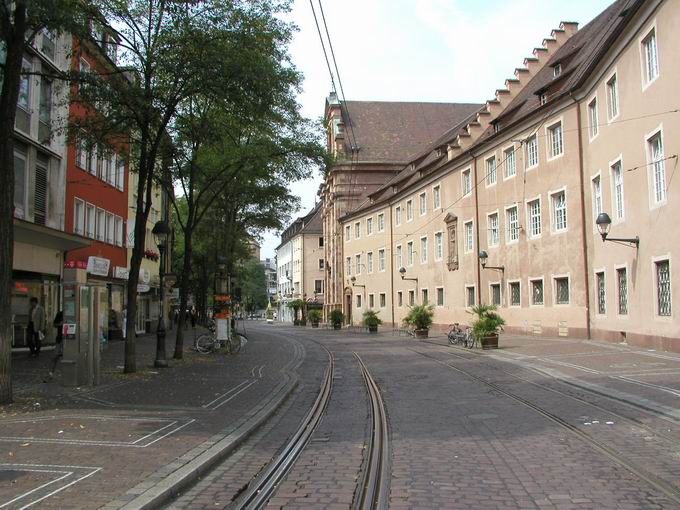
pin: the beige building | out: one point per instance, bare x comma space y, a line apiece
589, 124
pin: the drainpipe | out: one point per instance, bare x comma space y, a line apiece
584, 245
391, 263
479, 271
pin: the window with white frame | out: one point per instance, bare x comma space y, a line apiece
90, 212
398, 256
348, 233
559, 211
439, 246
663, 287
381, 259
369, 261
409, 210
593, 117
423, 203
467, 182
617, 184
411, 297
440, 296
543, 98
409, 253
613, 97
381, 222
424, 296
318, 286
658, 169
470, 295
358, 300
601, 289
423, 250
348, 263
101, 225
493, 235
436, 197
597, 195
557, 70
369, 226
512, 224
495, 291
651, 56
555, 140
622, 290
536, 287
397, 215
110, 229
322, 264
534, 207
515, 294
357, 230
24, 100
400, 299
371, 301
491, 171
383, 300
118, 231
357, 264
79, 217
562, 290
469, 237
510, 162
532, 151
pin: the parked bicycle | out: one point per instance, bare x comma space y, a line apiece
461, 336
208, 342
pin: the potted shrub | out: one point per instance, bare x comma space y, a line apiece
336, 317
487, 326
297, 304
314, 317
372, 321
420, 317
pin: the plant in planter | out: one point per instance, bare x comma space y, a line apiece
487, 326
336, 317
314, 316
297, 304
372, 321
420, 317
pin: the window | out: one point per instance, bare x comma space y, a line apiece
597, 195
470, 295
469, 239
110, 233
495, 294
20, 176
357, 261
398, 257
491, 171
357, 230
369, 261
424, 295
559, 211
119, 231
617, 183
348, 263
24, 101
381, 222
423, 203
562, 291
322, 264
358, 300
613, 97
651, 56
371, 301
409, 253
622, 290
663, 287
411, 297
658, 168
423, 250
601, 293
383, 300
535, 218
79, 217
515, 294
440, 296
321, 242
532, 151
438, 246
400, 298
436, 197
45, 111
492, 233
318, 286
536, 292
467, 182
369, 226
120, 173
557, 70
555, 140
48, 45
512, 224
409, 210
543, 98
381, 260
90, 221
397, 215
347, 233
92, 160
510, 162
594, 119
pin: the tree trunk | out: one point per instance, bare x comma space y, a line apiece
184, 288
9, 95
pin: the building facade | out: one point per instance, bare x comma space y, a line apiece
502, 210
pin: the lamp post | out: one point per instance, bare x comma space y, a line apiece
604, 222
160, 232
483, 257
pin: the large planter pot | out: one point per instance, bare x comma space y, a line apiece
489, 342
296, 322
421, 333
372, 329
337, 326
315, 324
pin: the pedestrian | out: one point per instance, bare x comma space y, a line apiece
36, 327
193, 318
58, 324
124, 322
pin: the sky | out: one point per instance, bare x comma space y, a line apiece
418, 50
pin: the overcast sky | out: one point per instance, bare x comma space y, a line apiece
419, 50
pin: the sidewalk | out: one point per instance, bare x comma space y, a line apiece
104, 446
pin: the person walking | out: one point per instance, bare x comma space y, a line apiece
58, 324
36, 327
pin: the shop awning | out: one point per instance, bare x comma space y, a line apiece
46, 237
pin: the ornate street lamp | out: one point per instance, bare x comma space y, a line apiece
160, 232
604, 222
353, 280
402, 272
483, 257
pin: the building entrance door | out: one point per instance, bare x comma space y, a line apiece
348, 307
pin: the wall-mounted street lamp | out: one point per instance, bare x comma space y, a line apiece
483, 257
160, 232
402, 273
353, 280
604, 222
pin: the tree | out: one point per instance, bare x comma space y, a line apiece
253, 282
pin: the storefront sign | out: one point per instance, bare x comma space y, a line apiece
173, 294
222, 298
143, 287
122, 273
75, 264
144, 275
98, 266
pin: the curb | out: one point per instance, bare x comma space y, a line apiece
189, 468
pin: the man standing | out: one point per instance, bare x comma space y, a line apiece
36, 327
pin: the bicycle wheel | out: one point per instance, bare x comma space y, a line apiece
452, 338
205, 344
469, 340
234, 345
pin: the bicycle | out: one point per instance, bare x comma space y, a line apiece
208, 343
461, 336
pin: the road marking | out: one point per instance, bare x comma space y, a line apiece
207, 406
648, 385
